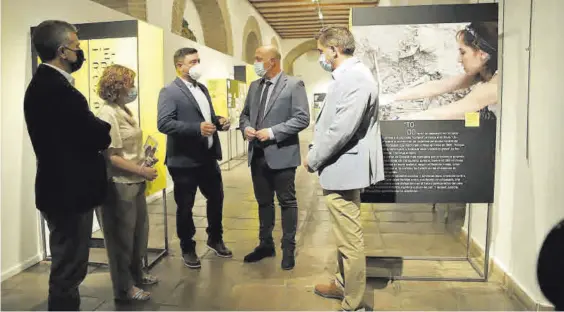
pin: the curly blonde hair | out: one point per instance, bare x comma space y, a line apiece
114, 79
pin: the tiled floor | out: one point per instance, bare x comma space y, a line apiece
390, 230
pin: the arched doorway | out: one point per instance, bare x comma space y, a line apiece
251, 45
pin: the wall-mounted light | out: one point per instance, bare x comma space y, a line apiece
320, 15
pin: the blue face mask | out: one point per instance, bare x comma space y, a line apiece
259, 69
323, 62
131, 95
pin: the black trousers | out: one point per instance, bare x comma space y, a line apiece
207, 177
69, 241
266, 183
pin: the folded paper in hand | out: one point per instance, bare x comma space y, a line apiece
150, 151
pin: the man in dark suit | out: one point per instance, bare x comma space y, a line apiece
68, 141
276, 110
187, 117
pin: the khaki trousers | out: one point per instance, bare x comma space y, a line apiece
125, 226
344, 207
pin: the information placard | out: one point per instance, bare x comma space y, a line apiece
436, 161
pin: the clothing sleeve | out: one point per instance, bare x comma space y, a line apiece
87, 131
300, 115
167, 121
350, 110
110, 117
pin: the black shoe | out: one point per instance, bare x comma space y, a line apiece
191, 260
288, 259
260, 253
220, 249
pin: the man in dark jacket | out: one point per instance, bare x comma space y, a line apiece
187, 117
68, 141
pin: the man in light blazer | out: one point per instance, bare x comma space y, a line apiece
347, 153
276, 110
187, 117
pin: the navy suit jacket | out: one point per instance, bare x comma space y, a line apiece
179, 117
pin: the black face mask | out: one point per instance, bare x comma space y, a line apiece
79, 59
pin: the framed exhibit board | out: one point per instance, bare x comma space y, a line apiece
435, 149
218, 94
228, 98
124, 43
438, 147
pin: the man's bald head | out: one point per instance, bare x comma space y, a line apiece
270, 56
271, 52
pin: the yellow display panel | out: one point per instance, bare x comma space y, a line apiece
218, 94
105, 52
151, 75
251, 75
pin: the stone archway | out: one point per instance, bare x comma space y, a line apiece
216, 22
297, 52
252, 39
250, 47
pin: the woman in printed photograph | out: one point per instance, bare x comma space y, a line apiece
478, 54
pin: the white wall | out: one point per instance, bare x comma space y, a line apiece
159, 13
240, 11
20, 232
529, 197
316, 80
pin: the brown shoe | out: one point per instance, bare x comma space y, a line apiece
330, 291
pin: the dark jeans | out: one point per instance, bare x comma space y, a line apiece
186, 182
266, 182
69, 241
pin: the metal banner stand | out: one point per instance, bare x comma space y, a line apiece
99, 242
234, 158
483, 274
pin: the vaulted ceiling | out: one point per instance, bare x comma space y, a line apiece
297, 19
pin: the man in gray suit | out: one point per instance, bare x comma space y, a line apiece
276, 110
347, 153
187, 117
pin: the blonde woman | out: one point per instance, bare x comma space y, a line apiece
124, 214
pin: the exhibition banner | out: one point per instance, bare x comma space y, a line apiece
437, 70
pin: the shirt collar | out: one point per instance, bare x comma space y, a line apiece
274, 79
67, 76
348, 63
188, 83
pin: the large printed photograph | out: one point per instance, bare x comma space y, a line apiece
433, 71
437, 70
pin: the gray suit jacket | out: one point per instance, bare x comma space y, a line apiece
179, 117
347, 146
287, 113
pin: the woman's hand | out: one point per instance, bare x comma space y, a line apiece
148, 173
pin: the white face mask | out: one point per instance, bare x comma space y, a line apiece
195, 72
259, 69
